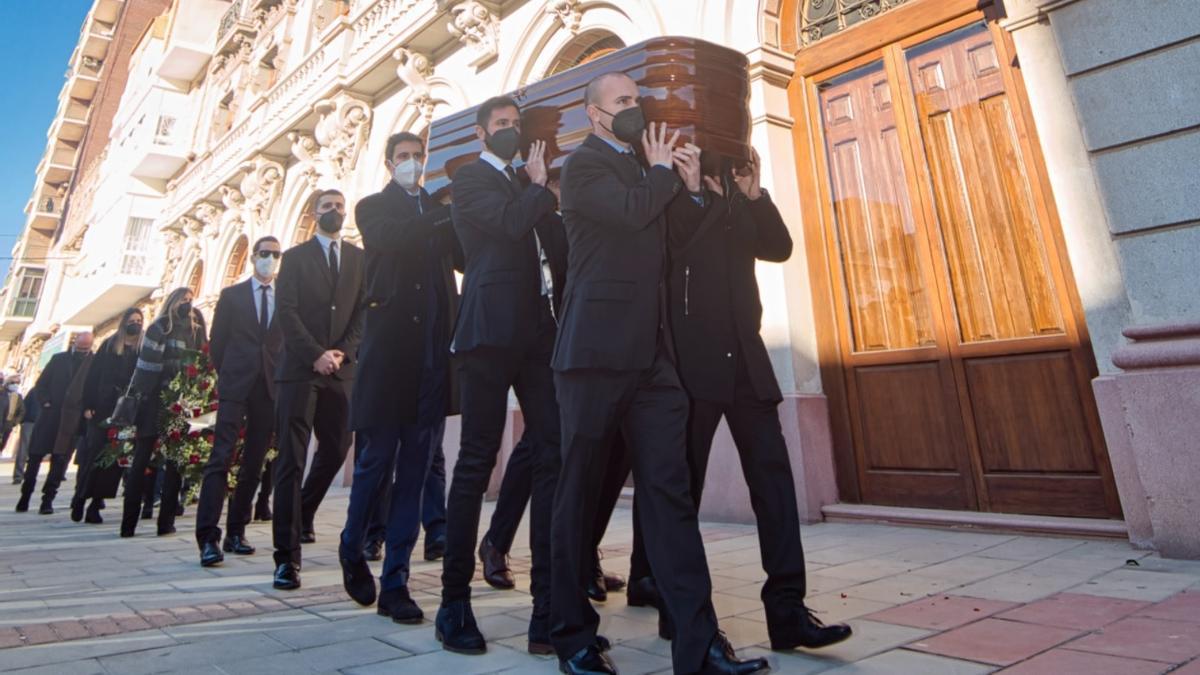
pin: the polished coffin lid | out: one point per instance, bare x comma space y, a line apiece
698, 87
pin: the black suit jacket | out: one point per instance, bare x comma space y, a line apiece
495, 221
715, 308
398, 243
314, 315
615, 223
240, 351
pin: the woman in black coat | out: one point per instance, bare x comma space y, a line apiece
178, 328
112, 368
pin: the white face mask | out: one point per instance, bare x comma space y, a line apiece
13, 388
407, 173
266, 267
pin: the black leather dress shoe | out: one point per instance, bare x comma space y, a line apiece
602, 643
358, 581
23, 504
77, 510
613, 582
596, 590
588, 661
166, 531
47, 509
539, 635
720, 660
495, 567
373, 551
147, 513
456, 629
802, 629
210, 555
436, 549
666, 627
93, 515
237, 544
308, 537
643, 593
398, 605
287, 577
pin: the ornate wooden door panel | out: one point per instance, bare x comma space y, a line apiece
908, 449
965, 377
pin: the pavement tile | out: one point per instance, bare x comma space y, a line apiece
899, 588
941, 612
1074, 610
995, 641
1069, 662
1167, 641
867, 570
870, 638
81, 667
1192, 668
70, 630
230, 649
839, 606
1136, 584
498, 659
1030, 548
1182, 607
36, 634
905, 661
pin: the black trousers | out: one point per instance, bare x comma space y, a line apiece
485, 376
136, 485
257, 413
85, 459
650, 409
54, 478
515, 489
319, 406
264, 485
101, 481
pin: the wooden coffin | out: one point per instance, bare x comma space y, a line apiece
698, 87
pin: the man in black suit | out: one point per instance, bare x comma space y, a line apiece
614, 374
715, 318
510, 231
244, 347
60, 397
318, 298
402, 396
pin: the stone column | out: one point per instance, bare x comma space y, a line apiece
1151, 416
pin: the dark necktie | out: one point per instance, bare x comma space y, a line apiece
333, 260
632, 159
512, 178
264, 320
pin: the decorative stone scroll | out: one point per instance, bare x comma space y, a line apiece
568, 13
478, 28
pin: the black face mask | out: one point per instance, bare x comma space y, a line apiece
184, 309
504, 143
628, 124
330, 221
133, 328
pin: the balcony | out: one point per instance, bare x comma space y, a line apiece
20, 301
114, 274
83, 78
44, 213
58, 165
97, 36
159, 147
108, 10
71, 121
189, 45
235, 22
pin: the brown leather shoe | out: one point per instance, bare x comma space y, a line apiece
495, 567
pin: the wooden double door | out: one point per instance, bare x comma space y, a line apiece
963, 364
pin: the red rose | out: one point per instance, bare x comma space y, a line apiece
192, 371
196, 412
123, 461
193, 434
204, 385
176, 408
212, 406
194, 459
112, 433
175, 435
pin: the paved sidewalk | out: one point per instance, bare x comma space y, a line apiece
75, 598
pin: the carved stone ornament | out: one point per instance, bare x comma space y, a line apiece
477, 27
341, 132
414, 70
209, 217
568, 12
261, 186
174, 242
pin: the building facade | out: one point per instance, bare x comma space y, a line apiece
972, 186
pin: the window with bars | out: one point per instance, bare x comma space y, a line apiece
821, 18
135, 259
29, 292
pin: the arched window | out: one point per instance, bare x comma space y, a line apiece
587, 47
822, 18
196, 277
237, 261
308, 224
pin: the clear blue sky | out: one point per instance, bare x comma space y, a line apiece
33, 58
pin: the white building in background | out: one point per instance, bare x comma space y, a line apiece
948, 332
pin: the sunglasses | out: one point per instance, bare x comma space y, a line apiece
269, 254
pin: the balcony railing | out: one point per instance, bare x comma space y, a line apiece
232, 15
